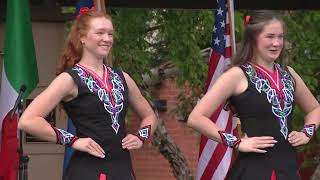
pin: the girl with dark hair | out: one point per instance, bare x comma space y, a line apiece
262, 90
96, 97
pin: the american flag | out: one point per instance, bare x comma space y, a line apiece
214, 158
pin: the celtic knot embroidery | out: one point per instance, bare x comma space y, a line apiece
281, 105
228, 139
144, 133
109, 92
309, 130
64, 137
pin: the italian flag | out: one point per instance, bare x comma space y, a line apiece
19, 61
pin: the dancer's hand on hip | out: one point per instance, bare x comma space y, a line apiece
256, 144
90, 146
298, 138
131, 142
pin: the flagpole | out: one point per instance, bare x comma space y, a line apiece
100, 5
231, 20
233, 46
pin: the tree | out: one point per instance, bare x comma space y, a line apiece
149, 39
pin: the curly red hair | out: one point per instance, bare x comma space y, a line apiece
72, 52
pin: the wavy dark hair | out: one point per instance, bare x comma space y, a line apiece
72, 52
258, 20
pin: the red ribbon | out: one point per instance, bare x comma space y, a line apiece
83, 10
247, 20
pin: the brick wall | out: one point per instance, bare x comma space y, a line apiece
148, 163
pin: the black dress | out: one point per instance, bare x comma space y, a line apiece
265, 109
99, 112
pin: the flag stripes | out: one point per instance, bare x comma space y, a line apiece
215, 158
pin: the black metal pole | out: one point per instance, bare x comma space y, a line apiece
23, 160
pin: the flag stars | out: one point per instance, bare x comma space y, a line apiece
219, 38
223, 24
220, 11
216, 41
214, 29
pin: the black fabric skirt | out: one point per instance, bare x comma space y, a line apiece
84, 166
253, 166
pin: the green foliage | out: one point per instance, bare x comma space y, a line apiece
68, 9
130, 48
304, 57
184, 33
145, 39
148, 38
304, 54
239, 24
